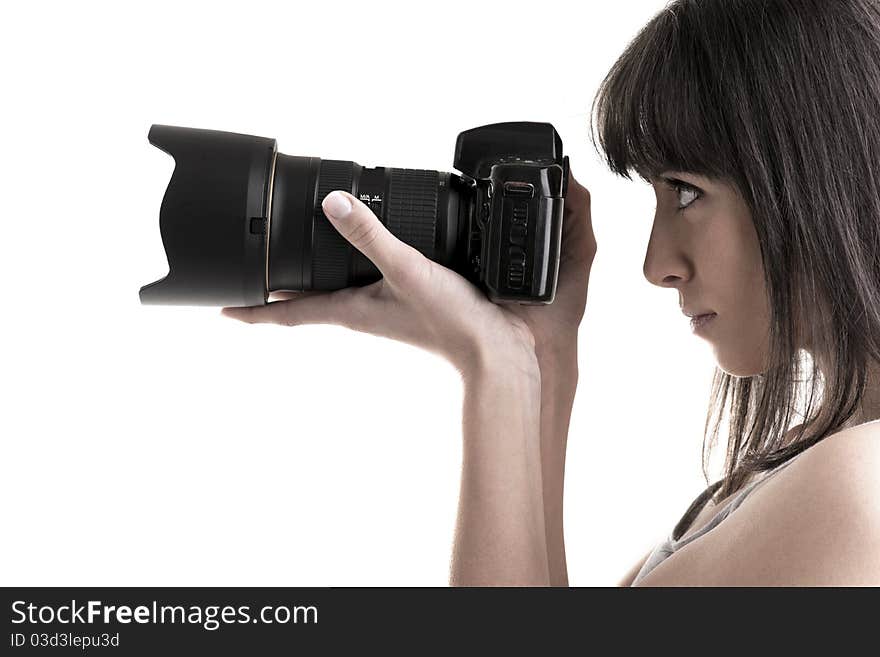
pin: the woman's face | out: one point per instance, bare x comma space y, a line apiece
703, 243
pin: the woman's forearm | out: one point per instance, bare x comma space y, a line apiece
500, 535
559, 377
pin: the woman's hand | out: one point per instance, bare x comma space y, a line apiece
417, 301
556, 325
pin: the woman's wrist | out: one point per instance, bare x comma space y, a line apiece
503, 355
560, 352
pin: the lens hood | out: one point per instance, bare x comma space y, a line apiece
213, 218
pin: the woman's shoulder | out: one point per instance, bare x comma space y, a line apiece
849, 458
841, 469
823, 512
816, 522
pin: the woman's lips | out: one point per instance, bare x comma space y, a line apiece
699, 322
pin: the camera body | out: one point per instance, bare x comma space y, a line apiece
520, 179
240, 220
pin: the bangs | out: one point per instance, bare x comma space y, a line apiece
660, 108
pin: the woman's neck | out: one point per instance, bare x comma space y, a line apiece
869, 406
869, 409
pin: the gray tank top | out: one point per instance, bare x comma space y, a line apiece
673, 542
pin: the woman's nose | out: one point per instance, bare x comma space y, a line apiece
666, 265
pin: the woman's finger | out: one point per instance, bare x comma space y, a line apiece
577, 196
345, 307
577, 227
363, 229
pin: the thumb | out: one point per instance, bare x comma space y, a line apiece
366, 232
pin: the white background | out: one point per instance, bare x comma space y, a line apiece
171, 446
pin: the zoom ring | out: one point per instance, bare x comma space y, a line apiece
412, 208
330, 251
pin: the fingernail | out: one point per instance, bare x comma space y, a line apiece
336, 205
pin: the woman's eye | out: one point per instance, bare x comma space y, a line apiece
686, 196
686, 193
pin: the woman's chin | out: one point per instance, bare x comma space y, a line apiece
738, 367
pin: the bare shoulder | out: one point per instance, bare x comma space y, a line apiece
845, 463
815, 523
823, 512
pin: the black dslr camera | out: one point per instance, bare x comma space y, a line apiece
240, 220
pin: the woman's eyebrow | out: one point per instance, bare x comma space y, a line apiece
671, 180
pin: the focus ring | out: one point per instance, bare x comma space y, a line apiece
412, 208
330, 251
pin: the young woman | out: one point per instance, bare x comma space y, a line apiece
757, 122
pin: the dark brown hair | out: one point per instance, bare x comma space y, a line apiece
780, 98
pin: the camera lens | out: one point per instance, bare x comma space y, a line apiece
240, 220
421, 207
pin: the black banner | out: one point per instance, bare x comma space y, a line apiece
151, 621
